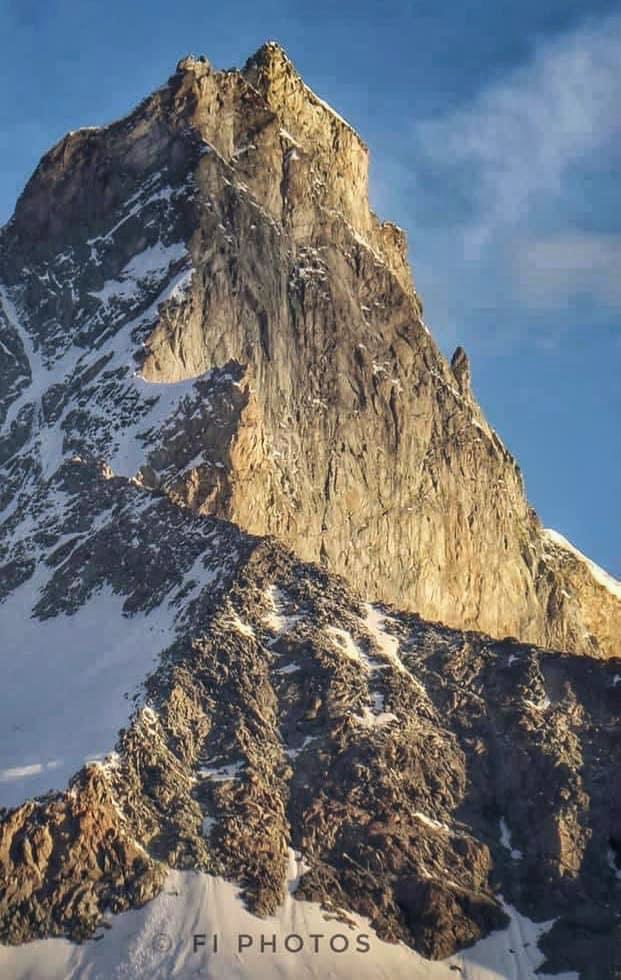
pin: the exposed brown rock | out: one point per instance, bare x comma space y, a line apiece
460, 366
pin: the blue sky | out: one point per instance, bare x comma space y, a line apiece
495, 136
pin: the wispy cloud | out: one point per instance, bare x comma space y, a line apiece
523, 135
510, 173
550, 270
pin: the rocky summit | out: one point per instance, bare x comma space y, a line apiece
272, 593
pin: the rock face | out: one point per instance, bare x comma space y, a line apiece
218, 392
460, 366
347, 436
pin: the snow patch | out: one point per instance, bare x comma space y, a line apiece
276, 619
602, 577
293, 753
388, 644
153, 261
244, 628
430, 822
328, 108
505, 840
345, 644
208, 824
126, 446
221, 774
370, 720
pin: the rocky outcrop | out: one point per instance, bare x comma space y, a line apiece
345, 433
460, 366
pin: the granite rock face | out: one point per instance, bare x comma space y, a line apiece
348, 436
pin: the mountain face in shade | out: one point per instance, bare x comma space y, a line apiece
230, 453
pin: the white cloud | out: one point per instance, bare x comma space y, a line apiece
523, 133
552, 270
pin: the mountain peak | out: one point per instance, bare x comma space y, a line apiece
248, 183
191, 62
270, 53
273, 73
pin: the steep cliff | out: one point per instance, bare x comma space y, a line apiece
345, 433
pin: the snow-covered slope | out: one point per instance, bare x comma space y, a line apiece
75, 654
198, 927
